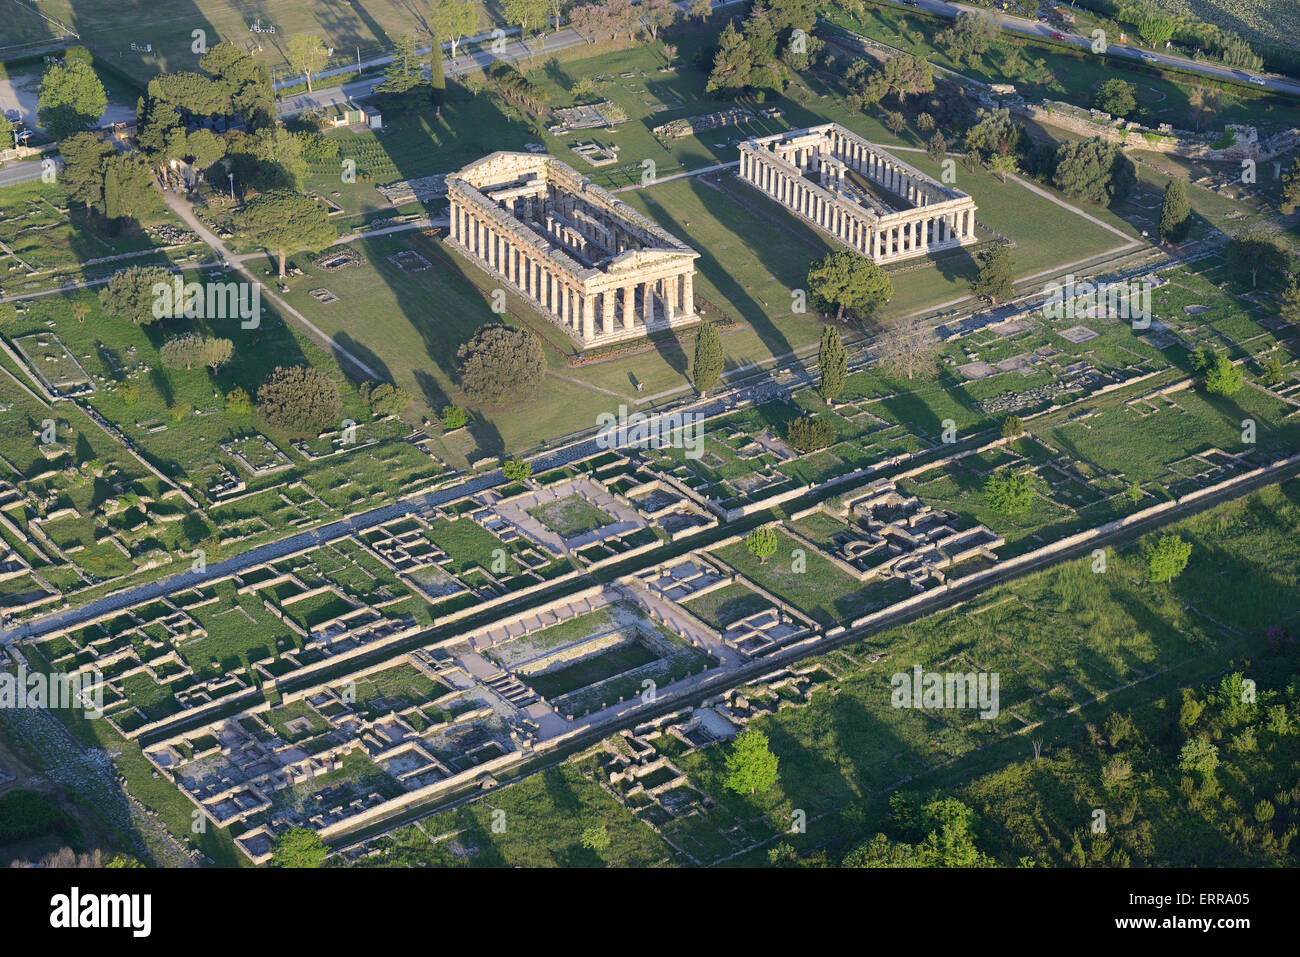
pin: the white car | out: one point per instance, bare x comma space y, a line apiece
1149, 58
1257, 80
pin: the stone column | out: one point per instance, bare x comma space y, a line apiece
564, 304
607, 310
688, 292
648, 307
670, 298
588, 315
629, 306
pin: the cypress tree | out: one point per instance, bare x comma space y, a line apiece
833, 361
1175, 212
708, 358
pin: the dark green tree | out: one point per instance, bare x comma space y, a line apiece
71, 99
281, 221
1175, 212
833, 364
848, 283
501, 364
299, 400
997, 274
706, 371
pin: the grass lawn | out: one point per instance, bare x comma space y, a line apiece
570, 516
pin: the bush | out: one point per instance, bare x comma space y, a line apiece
384, 398
1008, 492
1013, 426
453, 417
516, 470
1167, 558
300, 400
809, 433
1220, 375
239, 402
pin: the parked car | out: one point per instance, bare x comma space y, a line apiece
1257, 80
1149, 58
1058, 36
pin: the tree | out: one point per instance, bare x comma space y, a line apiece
1255, 248
1008, 492
1003, 165
130, 293
908, 75
7, 138
936, 146
71, 99
1289, 305
128, 189
281, 221
1175, 212
1094, 170
762, 543
243, 83
453, 19
1221, 375
894, 122
709, 359
500, 364
298, 847
1167, 558
299, 400
437, 75
204, 148
657, 14
307, 55
524, 13
596, 837
1117, 97
751, 765
997, 272
701, 10
1199, 755
732, 64
181, 352
1273, 371
994, 134
833, 363
403, 74
1155, 29
1013, 426
924, 122
907, 349
84, 161
1290, 187
516, 469
384, 398
848, 282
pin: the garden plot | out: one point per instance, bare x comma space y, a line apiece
50, 359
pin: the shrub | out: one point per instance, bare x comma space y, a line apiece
239, 402
384, 398
452, 417
1008, 492
809, 433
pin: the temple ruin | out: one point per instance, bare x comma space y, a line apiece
593, 265
857, 193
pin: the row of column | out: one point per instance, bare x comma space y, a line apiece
836, 217
633, 305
